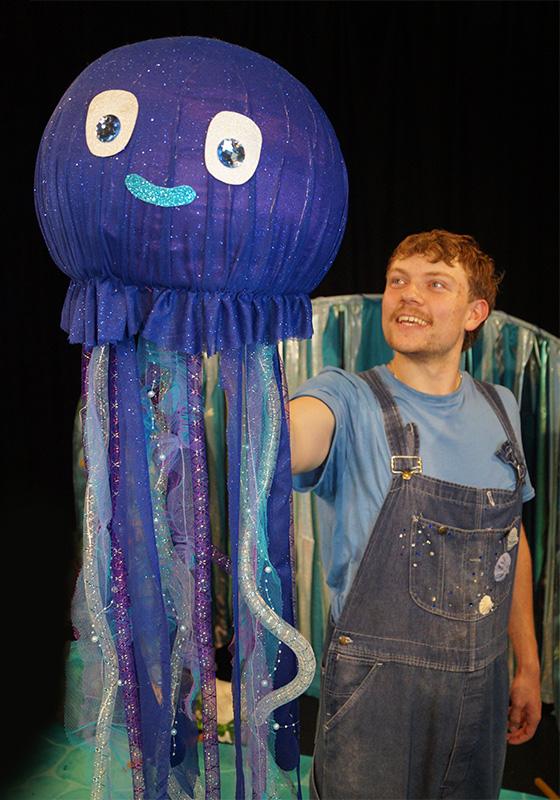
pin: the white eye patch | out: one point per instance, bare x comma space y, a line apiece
110, 121
233, 147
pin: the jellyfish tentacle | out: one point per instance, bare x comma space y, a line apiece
291, 528
180, 597
167, 437
256, 604
203, 577
124, 647
94, 416
231, 371
254, 434
252, 290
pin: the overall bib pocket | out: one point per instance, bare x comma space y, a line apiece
461, 574
347, 678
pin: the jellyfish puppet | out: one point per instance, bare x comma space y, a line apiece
194, 193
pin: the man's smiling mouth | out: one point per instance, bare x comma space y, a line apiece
409, 319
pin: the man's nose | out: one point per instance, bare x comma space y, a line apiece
412, 294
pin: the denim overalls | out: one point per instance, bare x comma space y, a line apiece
414, 691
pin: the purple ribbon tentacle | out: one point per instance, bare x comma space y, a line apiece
121, 598
203, 578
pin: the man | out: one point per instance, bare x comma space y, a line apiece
420, 476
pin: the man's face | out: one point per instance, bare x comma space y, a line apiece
426, 307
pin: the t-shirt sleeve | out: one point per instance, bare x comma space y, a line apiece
510, 403
335, 388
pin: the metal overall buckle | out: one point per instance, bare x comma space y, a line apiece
508, 455
408, 471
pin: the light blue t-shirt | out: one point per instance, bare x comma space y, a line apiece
459, 435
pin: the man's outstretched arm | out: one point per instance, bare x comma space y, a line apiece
312, 426
525, 691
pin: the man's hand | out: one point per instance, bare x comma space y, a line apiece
525, 707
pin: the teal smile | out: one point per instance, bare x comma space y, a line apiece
159, 195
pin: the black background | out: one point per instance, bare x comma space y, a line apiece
447, 115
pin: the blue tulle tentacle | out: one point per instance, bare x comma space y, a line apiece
276, 664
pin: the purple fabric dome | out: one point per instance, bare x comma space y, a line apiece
167, 237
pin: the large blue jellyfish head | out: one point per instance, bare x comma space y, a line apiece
194, 192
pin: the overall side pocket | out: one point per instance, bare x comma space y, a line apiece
347, 678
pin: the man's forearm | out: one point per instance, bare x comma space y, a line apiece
312, 427
524, 695
521, 624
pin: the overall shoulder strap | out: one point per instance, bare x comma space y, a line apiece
510, 452
403, 439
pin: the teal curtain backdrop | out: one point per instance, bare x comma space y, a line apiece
348, 334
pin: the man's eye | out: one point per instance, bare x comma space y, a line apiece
438, 285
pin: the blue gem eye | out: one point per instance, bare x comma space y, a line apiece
108, 128
231, 153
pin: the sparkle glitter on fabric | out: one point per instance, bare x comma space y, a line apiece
199, 226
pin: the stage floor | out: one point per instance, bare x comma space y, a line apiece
62, 772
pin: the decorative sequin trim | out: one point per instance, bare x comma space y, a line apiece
203, 578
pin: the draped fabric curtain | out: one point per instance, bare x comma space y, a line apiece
347, 334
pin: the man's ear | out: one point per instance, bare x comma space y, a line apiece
479, 311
